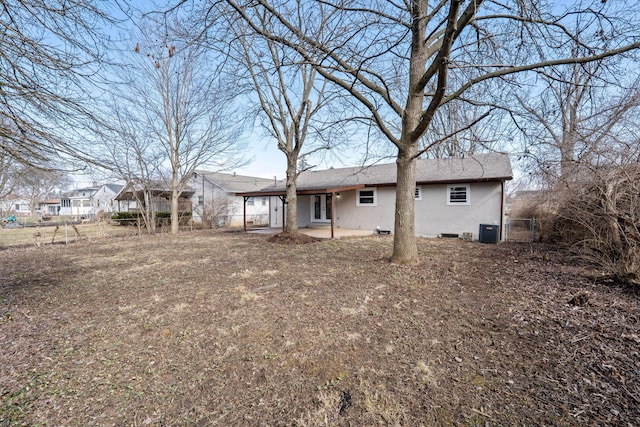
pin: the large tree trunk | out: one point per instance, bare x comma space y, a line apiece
292, 197
175, 219
405, 249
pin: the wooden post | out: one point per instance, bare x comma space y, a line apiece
333, 211
284, 211
244, 212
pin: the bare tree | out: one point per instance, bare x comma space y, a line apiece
580, 110
185, 104
404, 61
37, 184
52, 55
134, 156
598, 212
216, 212
291, 97
9, 170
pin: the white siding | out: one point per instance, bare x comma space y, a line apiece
433, 215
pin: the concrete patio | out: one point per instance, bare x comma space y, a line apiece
319, 232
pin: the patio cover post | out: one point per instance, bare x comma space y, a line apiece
333, 210
284, 209
244, 212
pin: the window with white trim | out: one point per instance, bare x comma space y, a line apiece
367, 197
250, 201
418, 193
458, 194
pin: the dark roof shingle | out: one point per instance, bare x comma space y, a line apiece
478, 167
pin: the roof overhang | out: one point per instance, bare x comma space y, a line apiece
301, 191
329, 190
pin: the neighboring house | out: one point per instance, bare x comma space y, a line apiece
104, 198
50, 207
160, 192
217, 199
16, 205
453, 196
78, 202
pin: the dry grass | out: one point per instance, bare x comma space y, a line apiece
213, 328
48, 234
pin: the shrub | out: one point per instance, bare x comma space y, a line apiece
599, 215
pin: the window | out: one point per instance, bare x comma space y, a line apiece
250, 201
200, 200
366, 197
458, 194
264, 201
419, 192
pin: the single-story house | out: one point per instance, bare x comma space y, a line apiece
210, 196
104, 199
160, 193
216, 199
454, 196
14, 204
51, 207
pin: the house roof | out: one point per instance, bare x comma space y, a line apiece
471, 168
114, 187
76, 192
234, 183
157, 188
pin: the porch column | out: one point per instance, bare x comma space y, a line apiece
284, 209
244, 212
333, 210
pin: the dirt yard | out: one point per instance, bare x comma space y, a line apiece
225, 329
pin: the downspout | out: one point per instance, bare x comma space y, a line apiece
502, 222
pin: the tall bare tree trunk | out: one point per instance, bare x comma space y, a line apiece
405, 249
292, 197
175, 195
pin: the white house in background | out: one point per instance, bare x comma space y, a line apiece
104, 198
15, 205
217, 196
453, 196
50, 207
78, 202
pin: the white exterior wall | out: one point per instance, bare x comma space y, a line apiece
102, 200
77, 209
258, 214
16, 206
304, 210
433, 215
348, 215
275, 212
211, 194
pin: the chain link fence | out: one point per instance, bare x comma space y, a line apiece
522, 230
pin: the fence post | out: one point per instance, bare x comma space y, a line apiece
533, 229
